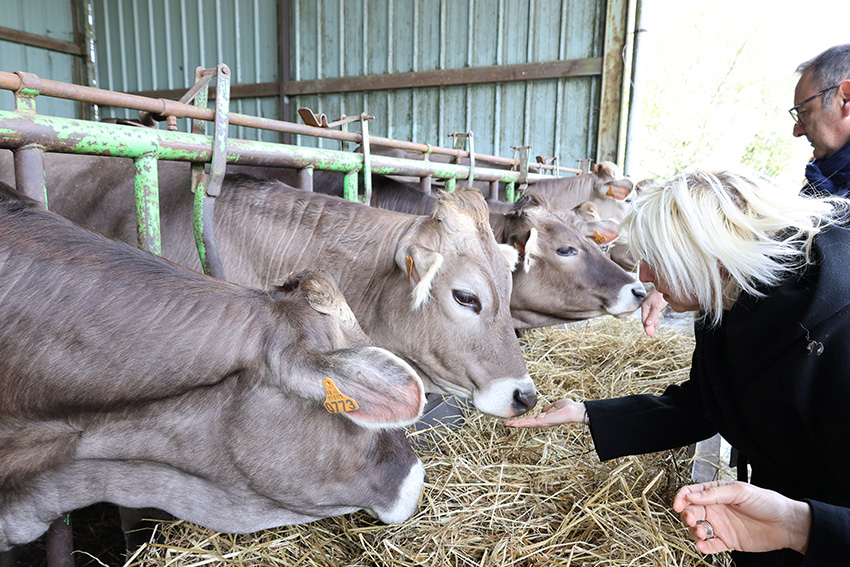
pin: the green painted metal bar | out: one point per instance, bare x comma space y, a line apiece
26, 95
349, 185
202, 216
206, 187
451, 185
96, 138
199, 127
147, 203
510, 192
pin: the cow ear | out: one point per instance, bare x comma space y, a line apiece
372, 387
321, 292
526, 244
601, 232
530, 250
618, 189
421, 265
511, 255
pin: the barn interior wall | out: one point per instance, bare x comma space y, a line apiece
50, 18
152, 45
155, 45
557, 116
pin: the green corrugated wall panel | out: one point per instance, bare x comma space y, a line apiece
147, 45
51, 18
555, 116
156, 44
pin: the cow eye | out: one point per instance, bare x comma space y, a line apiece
467, 300
567, 251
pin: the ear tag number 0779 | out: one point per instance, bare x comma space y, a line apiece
336, 401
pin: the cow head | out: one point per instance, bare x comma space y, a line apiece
459, 286
564, 277
385, 389
610, 181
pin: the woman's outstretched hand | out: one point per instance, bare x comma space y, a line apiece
561, 412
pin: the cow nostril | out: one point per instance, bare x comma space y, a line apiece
639, 292
524, 401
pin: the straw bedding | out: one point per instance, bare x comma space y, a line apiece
498, 496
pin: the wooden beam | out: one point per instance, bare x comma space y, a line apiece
616, 18
34, 40
421, 79
236, 91
444, 77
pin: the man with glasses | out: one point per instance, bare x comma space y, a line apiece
821, 113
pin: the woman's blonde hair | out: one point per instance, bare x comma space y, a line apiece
712, 235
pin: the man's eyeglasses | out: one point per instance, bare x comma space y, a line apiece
795, 110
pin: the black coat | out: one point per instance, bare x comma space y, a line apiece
759, 381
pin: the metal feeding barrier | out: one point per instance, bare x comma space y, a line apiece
29, 135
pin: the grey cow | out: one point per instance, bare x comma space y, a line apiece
128, 379
434, 289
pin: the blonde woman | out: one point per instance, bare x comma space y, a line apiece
768, 271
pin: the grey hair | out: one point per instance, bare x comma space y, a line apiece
828, 69
712, 235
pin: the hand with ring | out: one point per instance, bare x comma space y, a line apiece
725, 516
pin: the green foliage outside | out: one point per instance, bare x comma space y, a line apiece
717, 81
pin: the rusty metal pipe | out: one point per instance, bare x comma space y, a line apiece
29, 172
95, 138
60, 543
17, 80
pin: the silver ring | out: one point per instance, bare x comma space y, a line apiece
709, 529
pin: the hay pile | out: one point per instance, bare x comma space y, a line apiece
500, 496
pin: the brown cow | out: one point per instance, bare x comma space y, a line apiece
604, 187
433, 289
564, 277
131, 380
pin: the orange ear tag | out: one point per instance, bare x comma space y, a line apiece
610, 192
336, 401
598, 238
408, 262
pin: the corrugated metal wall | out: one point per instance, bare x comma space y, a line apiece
146, 45
559, 116
49, 18
155, 45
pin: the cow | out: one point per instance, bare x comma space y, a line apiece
606, 188
564, 277
433, 289
132, 380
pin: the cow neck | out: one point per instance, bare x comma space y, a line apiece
282, 231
